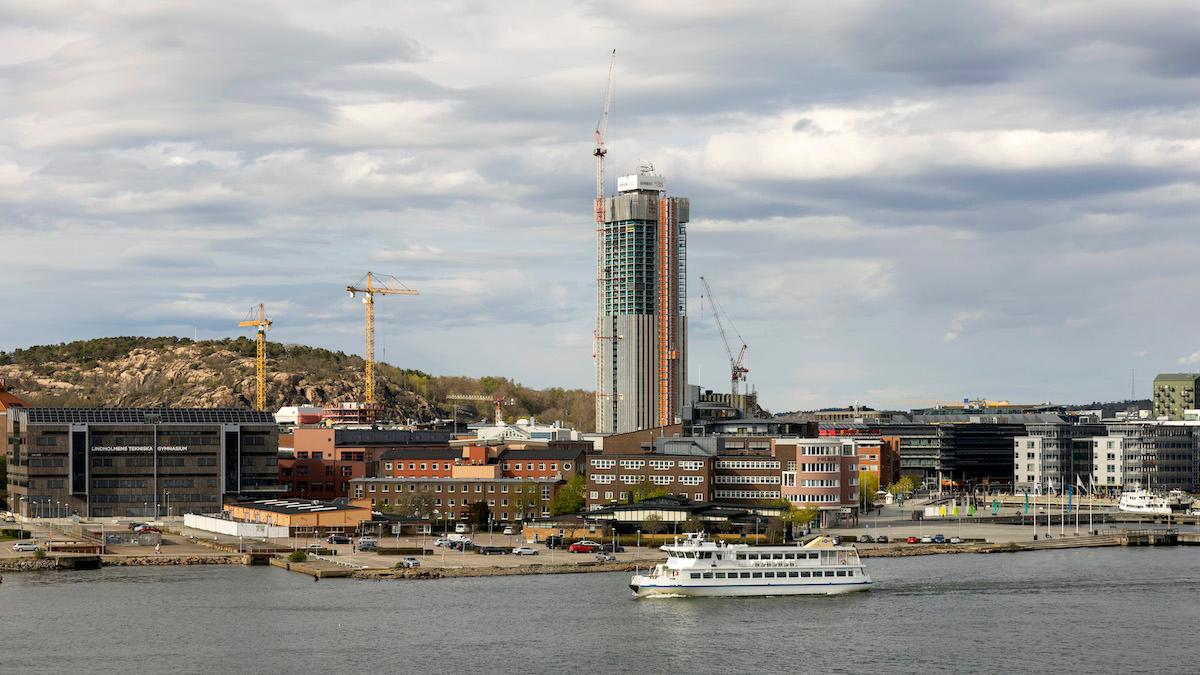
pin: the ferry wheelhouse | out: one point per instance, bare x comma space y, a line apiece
696, 566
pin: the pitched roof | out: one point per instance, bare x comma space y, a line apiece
10, 400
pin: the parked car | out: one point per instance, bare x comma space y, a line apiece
912, 540
939, 539
25, 546
612, 548
460, 545
315, 547
955, 540
490, 550
509, 530
866, 539
460, 528
524, 550
926, 540
338, 539
605, 557
147, 528
584, 546
410, 562
367, 544
881, 539
8, 517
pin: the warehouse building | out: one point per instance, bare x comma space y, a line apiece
137, 462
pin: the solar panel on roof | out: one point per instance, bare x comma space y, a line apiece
147, 416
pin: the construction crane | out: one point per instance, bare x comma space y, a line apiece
737, 371
599, 335
371, 285
263, 324
498, 400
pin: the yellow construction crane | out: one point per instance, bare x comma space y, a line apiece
263, 324
371, 285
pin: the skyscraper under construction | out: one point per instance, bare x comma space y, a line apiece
641, 305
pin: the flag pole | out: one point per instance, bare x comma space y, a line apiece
1034, 512
1091, 504
1062, 511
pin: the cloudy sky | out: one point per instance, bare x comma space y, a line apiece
896, 202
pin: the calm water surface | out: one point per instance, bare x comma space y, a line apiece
1096, 611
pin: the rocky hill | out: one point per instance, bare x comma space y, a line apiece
178, 372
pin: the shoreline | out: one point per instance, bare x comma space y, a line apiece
48, 563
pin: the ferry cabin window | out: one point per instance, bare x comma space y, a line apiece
769, 575
745, 575
789, 556
758, 575
778, 556
841, 573
741, 556
828, 573
708, 575
805, 575
793, 574
695, 575
720, 575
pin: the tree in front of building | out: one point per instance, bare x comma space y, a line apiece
653, 524
414, 504
479, 514
642, 492
776, 529
569, 498
905, 486
526, 499
868, 485
799, 518
693, 524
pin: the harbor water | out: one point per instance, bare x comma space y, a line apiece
1091, 610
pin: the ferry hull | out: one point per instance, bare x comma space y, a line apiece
645, 588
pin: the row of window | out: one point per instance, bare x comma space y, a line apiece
773, 575
774, 480
745, 494
515, 466
746, 464
816, 499
595, 495
412, 487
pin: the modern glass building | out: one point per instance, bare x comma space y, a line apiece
641, 326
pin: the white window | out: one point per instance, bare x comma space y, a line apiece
662, 480
422, 466
372, 488
661, 464
691, 480
566, 466
504, 466
632, 463
691, 465
746, 464
595, 495
383, 488
770, 480
504, 489
699, 496
608, 495
746, 494
542, 466
529, 466
603, 463
446, 467
603, 478
450, 502
411, 466
387, 466
632, 479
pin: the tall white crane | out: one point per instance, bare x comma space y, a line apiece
604, 397
737, 371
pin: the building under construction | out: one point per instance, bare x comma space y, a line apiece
641, 332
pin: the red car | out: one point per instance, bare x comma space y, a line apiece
584, 546
913, 540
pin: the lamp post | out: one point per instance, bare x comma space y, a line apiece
168, 495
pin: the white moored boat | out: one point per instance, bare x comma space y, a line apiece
1141, 501
696, 566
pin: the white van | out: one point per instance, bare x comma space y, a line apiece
460, 528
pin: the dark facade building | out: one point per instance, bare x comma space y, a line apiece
134, 462
509, 500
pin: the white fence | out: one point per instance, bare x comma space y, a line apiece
234, 528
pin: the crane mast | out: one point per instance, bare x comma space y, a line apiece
263, 324
737, 371
375, 285
603, 397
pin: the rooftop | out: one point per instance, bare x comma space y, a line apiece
147, 416
297, 505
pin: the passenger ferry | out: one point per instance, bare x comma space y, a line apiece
1142, 501
696, 566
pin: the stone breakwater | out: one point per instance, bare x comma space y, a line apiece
52, 563
151, 561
